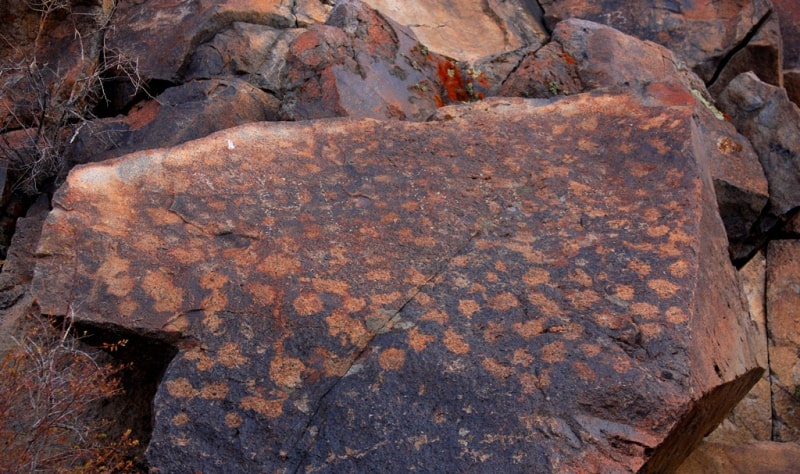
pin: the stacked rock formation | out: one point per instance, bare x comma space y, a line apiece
360, 234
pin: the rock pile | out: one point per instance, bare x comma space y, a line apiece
495, 237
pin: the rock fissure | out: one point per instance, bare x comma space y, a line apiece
740, 46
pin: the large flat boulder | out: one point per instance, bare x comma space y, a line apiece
515, 286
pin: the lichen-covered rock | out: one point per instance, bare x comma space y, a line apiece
744, 458
585, 56
701, 34
515, 286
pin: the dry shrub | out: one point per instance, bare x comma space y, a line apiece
50, 391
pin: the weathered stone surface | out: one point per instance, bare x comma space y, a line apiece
764, 114
172, 29
585, 56
763, 55
701, 34
783, 300
256, 52
468, 30
791, 81
363, 65
788, 11
518, 287
752, 418
181, 113
747, 458
309, 12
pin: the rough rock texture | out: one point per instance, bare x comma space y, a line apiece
748, 458
256, 53
764, 114
518, 287
181, 26
702, 34
586, 56
362, 65
751, 420
468, 30
783, 300
788, 12
762, 54
181, 113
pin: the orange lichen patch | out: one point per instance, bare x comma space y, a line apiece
497, 369
503, 302
415, 277
435, 315
536, 276
651, 214
392, 359
177, 323
180, 419
658, 231
571, 331
349, 330
468, 307
676, 315
624, 292
591, 350
493, 332
568, 59
622, 364
386, 298
554, 352
419, 341
262, 294
214, 391
663, 288
547, 306
679, 269
583, 299
332, 364
650, 330
423, 298
114, 273
522, 357
454, 342
642, 268
580, 276
181, 388
529, 382
233, 420
229, 355
352, 305
584, 372
280, 265
640, 170
645, 310
127, 307
287, 372
609, 320
212, 321
380, 274
202, 361
307, 304
529, 329
726, 145
159, 286
269, 408
336, 287
491, 277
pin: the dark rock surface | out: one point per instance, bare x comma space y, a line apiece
511, 287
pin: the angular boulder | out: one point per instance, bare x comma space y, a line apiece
585, 56
515, 286
702, 34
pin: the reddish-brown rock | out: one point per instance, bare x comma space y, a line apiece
585, 56
788, 11
746, 458
512, 287
701, 34
363, 65
783, 320
181, 113
468, 30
